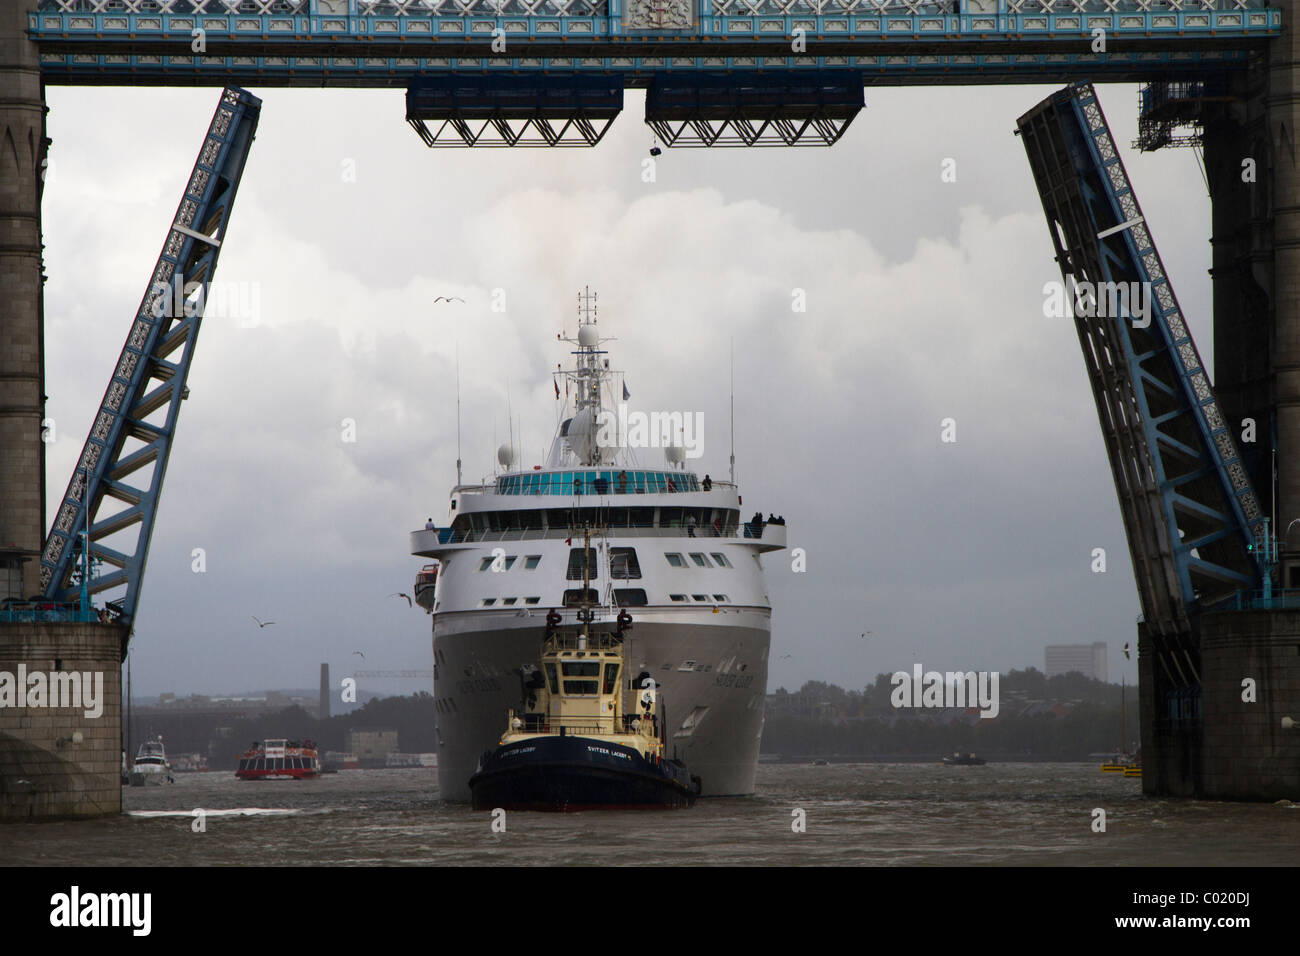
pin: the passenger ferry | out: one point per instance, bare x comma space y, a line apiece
279, 759
669, 545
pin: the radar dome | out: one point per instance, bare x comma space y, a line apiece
588, 337
505, 456
675, 454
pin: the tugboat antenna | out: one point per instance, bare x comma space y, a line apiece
733, 411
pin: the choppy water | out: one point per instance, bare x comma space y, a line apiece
871, 814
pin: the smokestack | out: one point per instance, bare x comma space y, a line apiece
324, 711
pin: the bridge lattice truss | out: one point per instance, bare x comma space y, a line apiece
1192, 518
388, 43
119, 475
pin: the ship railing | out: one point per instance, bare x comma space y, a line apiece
746, 530
591, 489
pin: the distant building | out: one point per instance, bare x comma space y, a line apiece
1088, 659
323, 708
372, 745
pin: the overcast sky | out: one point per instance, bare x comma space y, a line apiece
924, 301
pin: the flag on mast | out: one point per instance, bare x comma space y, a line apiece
626, 393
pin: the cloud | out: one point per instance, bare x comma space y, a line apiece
921, 305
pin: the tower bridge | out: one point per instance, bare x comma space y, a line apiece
1210, 521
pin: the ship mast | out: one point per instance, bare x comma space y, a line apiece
591, 369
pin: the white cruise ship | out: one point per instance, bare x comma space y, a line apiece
670, 548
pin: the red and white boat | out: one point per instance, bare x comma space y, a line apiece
279, 760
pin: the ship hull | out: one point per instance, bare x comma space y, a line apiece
577, 773
714, 708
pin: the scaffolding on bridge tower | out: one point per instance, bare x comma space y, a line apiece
1173, 112
1195, 529
119, 475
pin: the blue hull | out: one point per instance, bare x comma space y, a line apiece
577, 773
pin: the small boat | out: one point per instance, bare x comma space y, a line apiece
821, 762
150, 767
956, 759
279, 759
1130, 765
573, 745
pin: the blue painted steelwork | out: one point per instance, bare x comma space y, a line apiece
1189, 507
509, 110
753, 108
357, 43
145, 393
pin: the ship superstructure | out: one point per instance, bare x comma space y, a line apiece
671, 546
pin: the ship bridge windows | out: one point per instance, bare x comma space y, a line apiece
580, 668
676, 560
532, 561
700, 560
623, 564
551, 679
581, 560
620, 482
720, 559
631, 597
574, 597
581, 688
611, 678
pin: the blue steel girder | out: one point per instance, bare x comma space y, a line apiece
159, 348
362, 43
1191, 516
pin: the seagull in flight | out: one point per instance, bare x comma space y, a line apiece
1126, 657
261, 623
865, 633
783, 657
448, 298
407, 596
359, 654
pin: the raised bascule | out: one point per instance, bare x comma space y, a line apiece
1209, 504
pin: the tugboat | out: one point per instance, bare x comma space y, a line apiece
956, 759
279, 759
572, 745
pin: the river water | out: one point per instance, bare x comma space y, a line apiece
854, 814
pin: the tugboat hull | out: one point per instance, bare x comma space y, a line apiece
578, 773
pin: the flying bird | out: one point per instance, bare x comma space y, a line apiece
448, 298
783, 657
261, 623
407, 596
865, 633
359, 654
1126, 657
